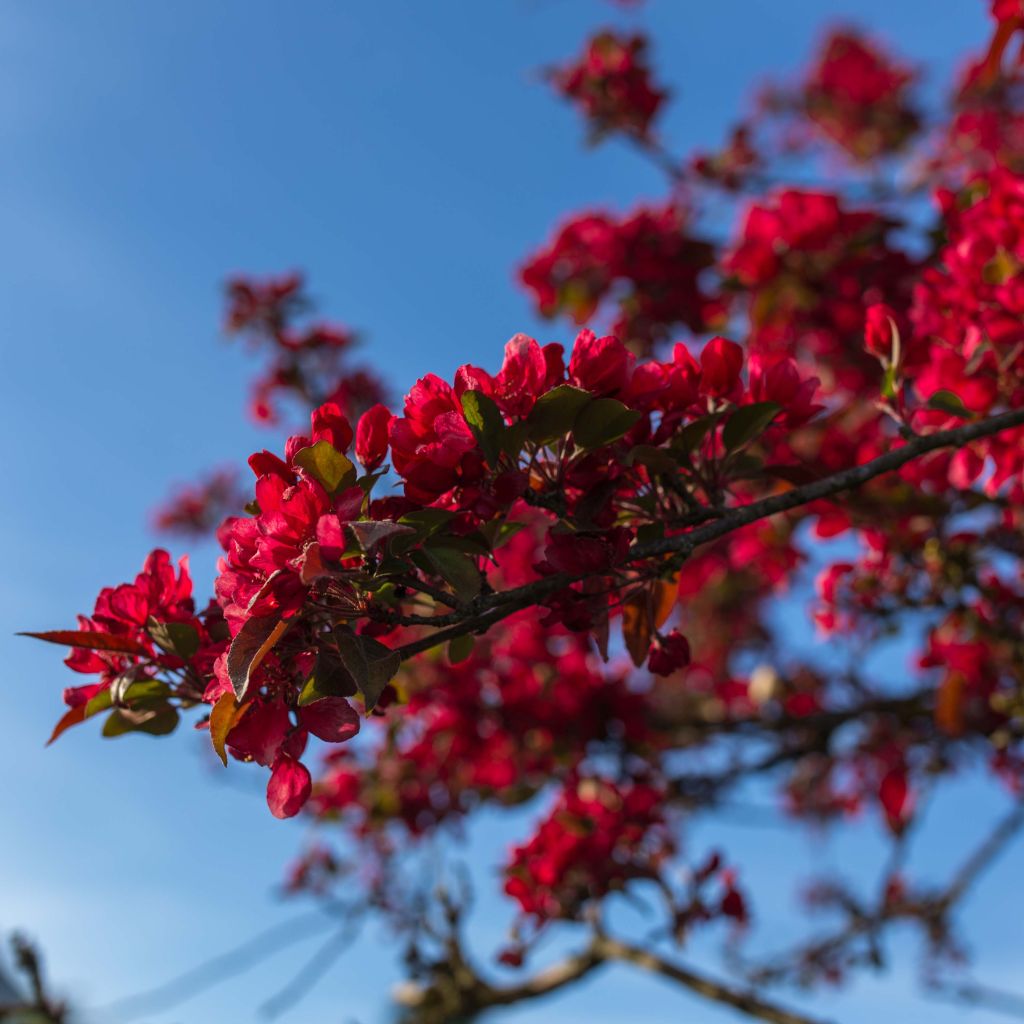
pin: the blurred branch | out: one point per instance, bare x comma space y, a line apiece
452, 989
218, 969
931, 910
41, 1007
973, 994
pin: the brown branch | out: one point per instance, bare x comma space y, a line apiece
494, 607
743, 1000
844, 480
42, 1007
458, 992
572, 969
797, 738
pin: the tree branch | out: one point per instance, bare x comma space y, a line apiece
461, 992
492, 608
743, 1000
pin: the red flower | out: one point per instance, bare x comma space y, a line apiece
646, 262
310, 363
669, 654
261, 733
598, 837
894, 796
372, 436
611, 84
857, 96
197, 509
721, 362
289, 787
330, 424
880, 330
602, 366
432, 446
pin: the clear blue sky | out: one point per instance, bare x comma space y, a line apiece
403, 153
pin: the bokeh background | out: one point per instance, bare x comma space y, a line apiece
407, 155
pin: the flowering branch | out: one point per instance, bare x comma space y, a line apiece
492, 608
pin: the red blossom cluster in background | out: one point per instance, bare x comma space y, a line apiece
556, 582
308, 363
612, 87
809, 270
858, 96
597, 838
197, 509
644, 265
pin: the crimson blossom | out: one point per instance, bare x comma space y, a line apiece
557, 583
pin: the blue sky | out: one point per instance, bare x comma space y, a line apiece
405, 155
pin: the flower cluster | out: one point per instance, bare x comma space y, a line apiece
967, 321
560, 577
812, 268
732, 166
309, 363
138, 634
985, 130
599, 836
611, 84
496, 726
321, 573
857, 96
196, 510
643, 269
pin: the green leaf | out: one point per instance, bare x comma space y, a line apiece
330, 678
179, 638
460, 648
603, 421
690, 438
456, 568
103, 701
947, 401
369, 532
154, 723
555, 412
123, 692
371, 664
514, 438
499, 531
658, 460
146, 691
889, 382
325, 463
159, 723
748, 422
427, 521
486, 422
474, 543
250, 646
